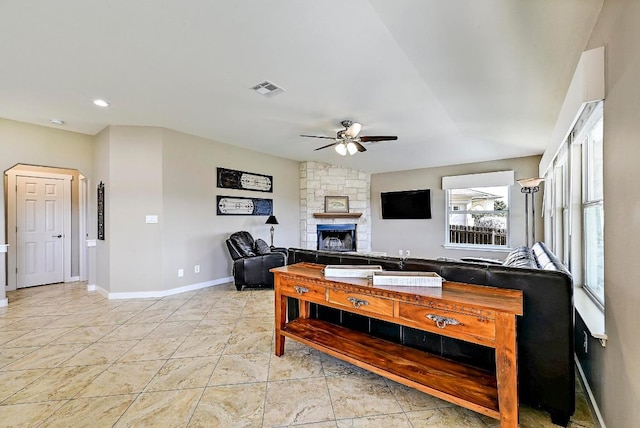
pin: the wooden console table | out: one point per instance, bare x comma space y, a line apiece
482, 315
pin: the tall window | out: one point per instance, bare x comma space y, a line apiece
574, 209
593, 211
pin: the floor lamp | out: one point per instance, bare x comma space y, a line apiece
529, 187
272, 220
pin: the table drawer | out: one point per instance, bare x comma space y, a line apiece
448, 323
361, 302
309, 292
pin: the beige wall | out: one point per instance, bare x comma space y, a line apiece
425, 238
191, 225
616, 368
156, 171
135, 190
159, 172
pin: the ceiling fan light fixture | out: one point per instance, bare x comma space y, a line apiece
352, 148
341, 148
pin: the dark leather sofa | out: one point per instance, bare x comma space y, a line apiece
546, 377
252, 261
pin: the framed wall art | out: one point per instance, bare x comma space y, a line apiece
234, 179
235, 205
336, 204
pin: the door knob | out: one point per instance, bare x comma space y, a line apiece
57, 236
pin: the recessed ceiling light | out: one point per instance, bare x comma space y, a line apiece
101, 103
57, 121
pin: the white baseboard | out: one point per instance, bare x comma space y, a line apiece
4, 302
160, 293
592, 399
73, 279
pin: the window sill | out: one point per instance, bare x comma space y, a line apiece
591, 314
488, 248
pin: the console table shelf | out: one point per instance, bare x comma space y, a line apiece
337, 215
454, 382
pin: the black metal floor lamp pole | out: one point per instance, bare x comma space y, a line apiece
530, 186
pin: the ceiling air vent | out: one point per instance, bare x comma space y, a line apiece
267, 89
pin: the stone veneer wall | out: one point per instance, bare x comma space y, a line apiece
318, 180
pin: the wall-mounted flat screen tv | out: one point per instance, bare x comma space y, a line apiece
407, 204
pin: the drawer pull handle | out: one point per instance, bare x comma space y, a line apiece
442, 322
357, 302
300, 290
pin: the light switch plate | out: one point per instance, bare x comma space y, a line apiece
152, 219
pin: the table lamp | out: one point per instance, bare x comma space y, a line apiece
272, 220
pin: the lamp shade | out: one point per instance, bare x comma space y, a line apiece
272, 220
352, 148
530, 182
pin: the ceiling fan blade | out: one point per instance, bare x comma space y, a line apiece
360, 147
324, 147
318, 136
369, 138
353, 130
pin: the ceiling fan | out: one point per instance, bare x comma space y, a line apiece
348, 141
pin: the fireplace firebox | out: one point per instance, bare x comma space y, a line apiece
337, 237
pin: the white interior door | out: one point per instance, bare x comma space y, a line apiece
39, 230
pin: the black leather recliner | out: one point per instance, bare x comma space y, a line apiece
252, 260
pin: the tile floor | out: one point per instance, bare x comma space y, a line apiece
72, 358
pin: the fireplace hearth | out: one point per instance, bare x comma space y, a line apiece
336, 237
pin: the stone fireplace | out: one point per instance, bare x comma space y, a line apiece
337, 237
317, 180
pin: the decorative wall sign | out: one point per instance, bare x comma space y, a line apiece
101, 211
233, 179
234, 205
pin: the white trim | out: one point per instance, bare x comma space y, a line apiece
100, 290
487, 179
4, 302
586, 85
12, 259
74, 279
82, 227
591, 314
592, 399
162, 293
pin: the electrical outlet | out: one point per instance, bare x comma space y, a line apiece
196, 269
407, 253
180, 273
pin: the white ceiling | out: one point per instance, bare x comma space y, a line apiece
457, 81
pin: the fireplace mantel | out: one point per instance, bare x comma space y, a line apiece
337, 215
